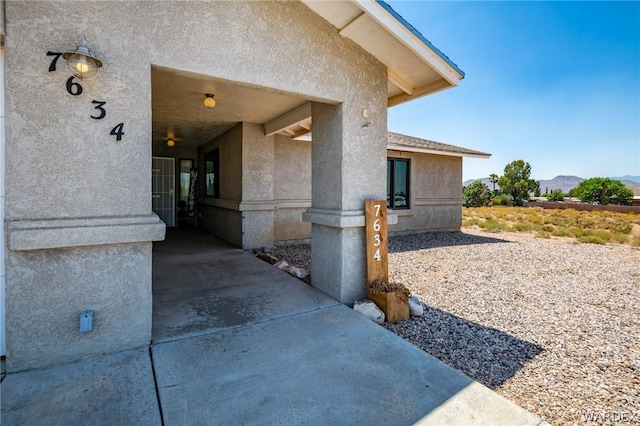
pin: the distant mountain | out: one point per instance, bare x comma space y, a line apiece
635, 179
566, 183
486, 181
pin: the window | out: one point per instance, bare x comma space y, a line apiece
212, 173
185, 178
397, 183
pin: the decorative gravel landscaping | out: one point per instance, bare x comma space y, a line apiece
548, 323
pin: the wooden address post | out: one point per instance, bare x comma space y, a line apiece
375, 215
375, 218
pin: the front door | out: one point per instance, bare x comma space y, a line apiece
163, 189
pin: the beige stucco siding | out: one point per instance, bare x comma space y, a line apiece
221, 216
436, 193
292, 188
62, 164
435, 186
47, 290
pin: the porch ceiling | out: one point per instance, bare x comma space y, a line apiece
178, 112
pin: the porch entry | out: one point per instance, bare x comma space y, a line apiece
163, 189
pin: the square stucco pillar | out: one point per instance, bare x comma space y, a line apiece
348, 167
257, 187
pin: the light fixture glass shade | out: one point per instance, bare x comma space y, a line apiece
170, 142
82, 62
209, 101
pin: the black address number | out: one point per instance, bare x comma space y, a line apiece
117, 131
75, 89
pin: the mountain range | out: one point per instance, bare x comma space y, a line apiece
566, 183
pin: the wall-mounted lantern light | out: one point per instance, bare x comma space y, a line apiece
82, 61
209, 100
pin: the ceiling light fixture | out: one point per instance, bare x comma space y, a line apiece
171, 142
82, 61
209, 100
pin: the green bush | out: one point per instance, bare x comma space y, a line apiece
555, 195
604, 191
502, 200
476, 194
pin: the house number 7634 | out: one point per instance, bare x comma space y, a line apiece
376, 239
74, 88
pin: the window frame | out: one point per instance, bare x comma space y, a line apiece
391, 183
212, 156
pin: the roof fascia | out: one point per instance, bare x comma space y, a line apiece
397, 26
393, 147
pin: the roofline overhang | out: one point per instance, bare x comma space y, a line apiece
436, 73
392, 147
404, 32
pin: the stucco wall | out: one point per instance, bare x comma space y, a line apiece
62, 164
436, 194
47, 290
257, 187
292, 188
221, 216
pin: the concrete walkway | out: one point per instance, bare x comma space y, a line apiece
236, 341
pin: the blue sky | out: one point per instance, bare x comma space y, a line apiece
556, 84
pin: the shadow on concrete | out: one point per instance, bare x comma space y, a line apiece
487, 355
427, 240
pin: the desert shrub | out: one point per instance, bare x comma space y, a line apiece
620, 238
562, 231
502, 200
521, 226
585, 221
599, 226
469, 222
623, 227
602, 234
590, 239
492, 225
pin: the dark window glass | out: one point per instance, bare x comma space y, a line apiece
212, 173
397, 183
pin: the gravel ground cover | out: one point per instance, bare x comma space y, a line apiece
548, 323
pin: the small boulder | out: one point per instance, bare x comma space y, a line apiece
298, 272
415, 307
267, 257
283, 264
369, 310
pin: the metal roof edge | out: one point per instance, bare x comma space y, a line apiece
404, 148
422, 38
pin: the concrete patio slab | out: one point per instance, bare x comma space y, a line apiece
115, 389
329, 366
218, 289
